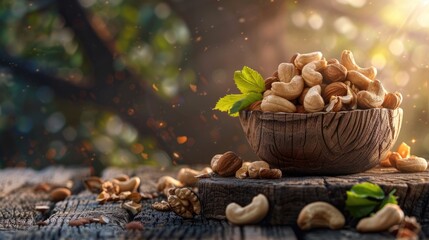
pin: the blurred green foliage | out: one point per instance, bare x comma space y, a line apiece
39, 128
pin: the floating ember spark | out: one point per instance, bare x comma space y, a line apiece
131, 111
193, 87
182, 139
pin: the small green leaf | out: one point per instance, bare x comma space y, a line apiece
245, 102
249, 80
225, 103
358, 206
366, 198
389, 199
234, 103
367, 189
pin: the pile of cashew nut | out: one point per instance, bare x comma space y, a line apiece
309, 83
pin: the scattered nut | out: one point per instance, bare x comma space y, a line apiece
43, 187
122, 177
93, 184
162, 206
102, 197
41, 223
411, 164
408, 229
386, 161
110, 188
42, 208
226, 164
79, 222
187, 175
254, 167
59, 194
135, 197
266, 173
389, 215
124, 195
133, 207
167, 182
130, 185
242, 172
104, 219
134, 226
184, 202
393, 158
250, 214
320, 215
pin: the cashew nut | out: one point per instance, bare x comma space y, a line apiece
286, 72
392, 100
187, 175
348, 61
311, 74
389, 215
250, 214
358, 79
274, 103
411, 164
373, 97
302, 59
313, 101
320, 215
254, 167
167, 182
130, 185
290, 90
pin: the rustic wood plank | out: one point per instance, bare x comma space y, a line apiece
17, 206
161, 225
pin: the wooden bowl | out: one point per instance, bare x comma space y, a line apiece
322, 143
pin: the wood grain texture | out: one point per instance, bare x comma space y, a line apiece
323, 143
167, 225
287, 196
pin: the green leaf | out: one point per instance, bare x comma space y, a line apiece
358, 206
234, 103
367, 189
245, 102
249, 80
366, 198
225, 104
389, 199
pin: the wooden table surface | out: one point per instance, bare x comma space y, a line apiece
18, 217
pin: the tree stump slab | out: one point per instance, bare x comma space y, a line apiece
288, 195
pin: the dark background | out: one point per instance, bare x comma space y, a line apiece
123, 83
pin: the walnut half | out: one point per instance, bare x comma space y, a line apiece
184, 202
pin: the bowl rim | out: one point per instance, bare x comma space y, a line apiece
322, 113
